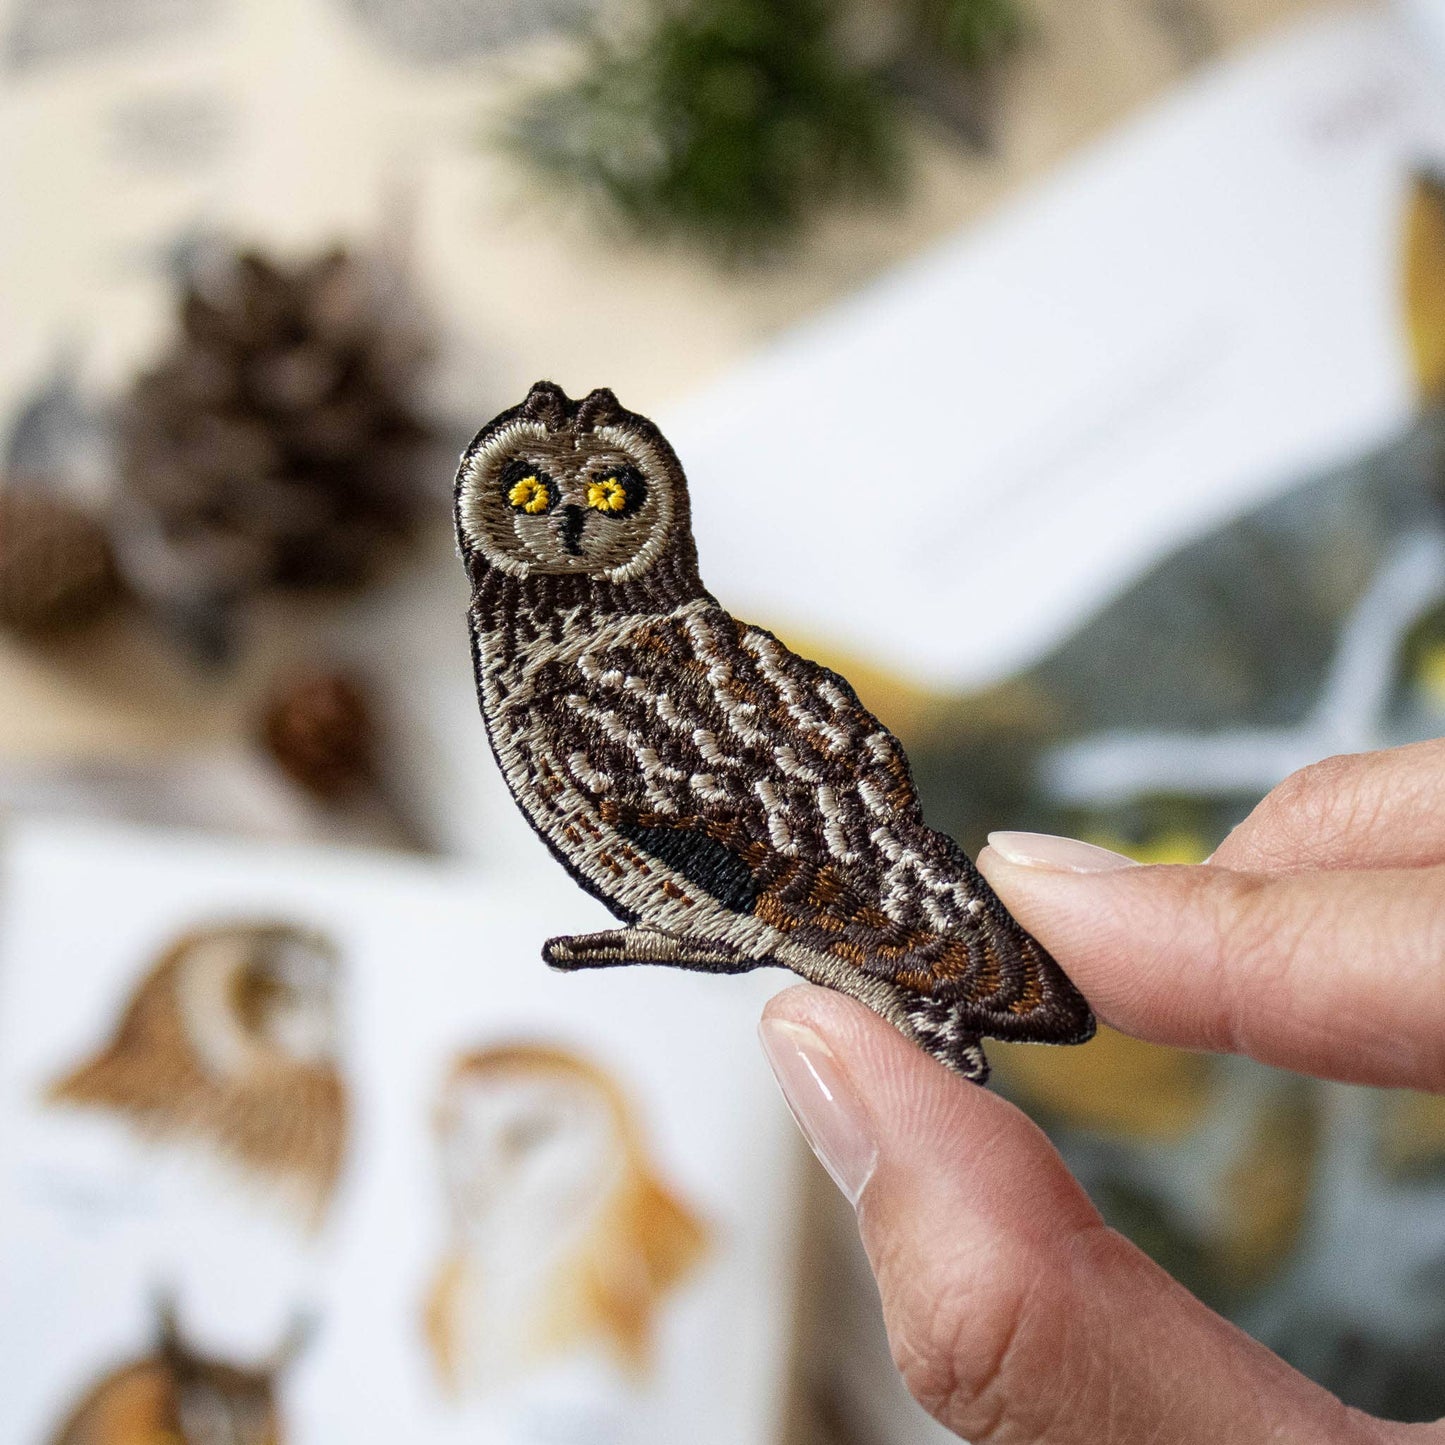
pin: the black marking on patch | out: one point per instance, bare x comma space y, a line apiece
703, 861
634, 491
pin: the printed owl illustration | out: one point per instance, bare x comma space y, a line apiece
229, 1044
732, 803
178, 1396
562, 1236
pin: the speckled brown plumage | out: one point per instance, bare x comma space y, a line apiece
734, 804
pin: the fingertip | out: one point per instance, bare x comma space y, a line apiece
795, 1003
866, 1046
1012, 1311
1130, 938
1328, 972
962, 1202
932, 1134
845, 1075
898, 1084
1052, 853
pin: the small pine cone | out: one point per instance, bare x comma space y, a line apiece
277, 442
321, 732
56, 568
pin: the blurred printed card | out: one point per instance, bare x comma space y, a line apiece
944, 474
303, 1146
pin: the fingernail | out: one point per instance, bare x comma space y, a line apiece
1057, 855
833, 1120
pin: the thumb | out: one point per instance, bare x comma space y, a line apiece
1014, 1313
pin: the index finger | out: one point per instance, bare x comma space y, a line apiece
1356, 810
1338, 974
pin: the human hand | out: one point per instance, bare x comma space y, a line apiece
1314, 939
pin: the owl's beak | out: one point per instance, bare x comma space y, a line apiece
570, 529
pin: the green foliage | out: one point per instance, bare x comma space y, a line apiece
973, 33
726, 122
730, 123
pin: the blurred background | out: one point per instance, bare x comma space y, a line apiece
296, 1131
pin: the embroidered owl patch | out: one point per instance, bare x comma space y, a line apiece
732, 803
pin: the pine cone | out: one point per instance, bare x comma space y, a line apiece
56, 568
277, 443
321, 732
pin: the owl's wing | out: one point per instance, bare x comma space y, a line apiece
760, 776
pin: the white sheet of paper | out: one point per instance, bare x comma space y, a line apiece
435, 961
946, 473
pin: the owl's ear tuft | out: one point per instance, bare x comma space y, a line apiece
598, 408
548, 404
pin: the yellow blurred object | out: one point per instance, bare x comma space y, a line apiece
1425, 284
1430, 675
1412, 1133
1267, 1190
1176, 846
1115, 1084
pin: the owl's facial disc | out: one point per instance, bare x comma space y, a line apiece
597, 503
535, 1147
574, 521
301, 1017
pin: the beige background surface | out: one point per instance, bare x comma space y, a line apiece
559, 298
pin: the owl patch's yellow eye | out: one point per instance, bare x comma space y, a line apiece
530, 495
608, 495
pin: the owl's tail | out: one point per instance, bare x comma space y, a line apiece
941, 1027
